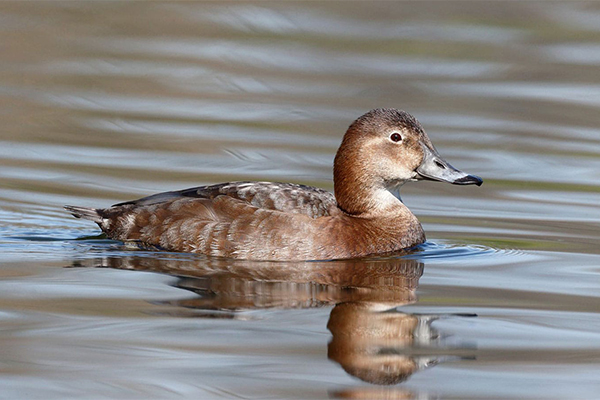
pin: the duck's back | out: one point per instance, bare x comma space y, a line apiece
284, 197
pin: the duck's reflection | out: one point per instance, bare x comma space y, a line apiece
371, 339
375, 346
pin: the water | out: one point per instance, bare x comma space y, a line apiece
106, 102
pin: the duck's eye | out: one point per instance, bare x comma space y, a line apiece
395, 137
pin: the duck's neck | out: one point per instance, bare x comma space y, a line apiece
360, 193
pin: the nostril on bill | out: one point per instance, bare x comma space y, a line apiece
439, 164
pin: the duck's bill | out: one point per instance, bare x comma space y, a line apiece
435, 168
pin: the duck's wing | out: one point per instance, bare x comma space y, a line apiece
284, 197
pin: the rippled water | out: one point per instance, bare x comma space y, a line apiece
105, 101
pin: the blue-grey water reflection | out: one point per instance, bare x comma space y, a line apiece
106, 102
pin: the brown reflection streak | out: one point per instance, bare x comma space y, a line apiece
371, 340
359, 335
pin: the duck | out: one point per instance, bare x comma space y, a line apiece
364, 216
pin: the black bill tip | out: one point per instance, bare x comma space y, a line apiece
469, 180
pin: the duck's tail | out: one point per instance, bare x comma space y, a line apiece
85, 213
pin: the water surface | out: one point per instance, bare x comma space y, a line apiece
106, 102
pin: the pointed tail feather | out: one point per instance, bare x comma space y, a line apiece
85, 213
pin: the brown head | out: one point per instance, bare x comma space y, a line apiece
381, 151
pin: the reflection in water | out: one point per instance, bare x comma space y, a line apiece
372, 345
371, 339
233, 285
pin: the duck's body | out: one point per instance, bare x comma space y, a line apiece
256, 220
282, 221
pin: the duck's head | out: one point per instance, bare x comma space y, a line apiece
382, 150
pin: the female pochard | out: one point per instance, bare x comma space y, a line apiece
381, 151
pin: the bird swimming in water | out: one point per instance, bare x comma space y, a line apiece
381, 150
